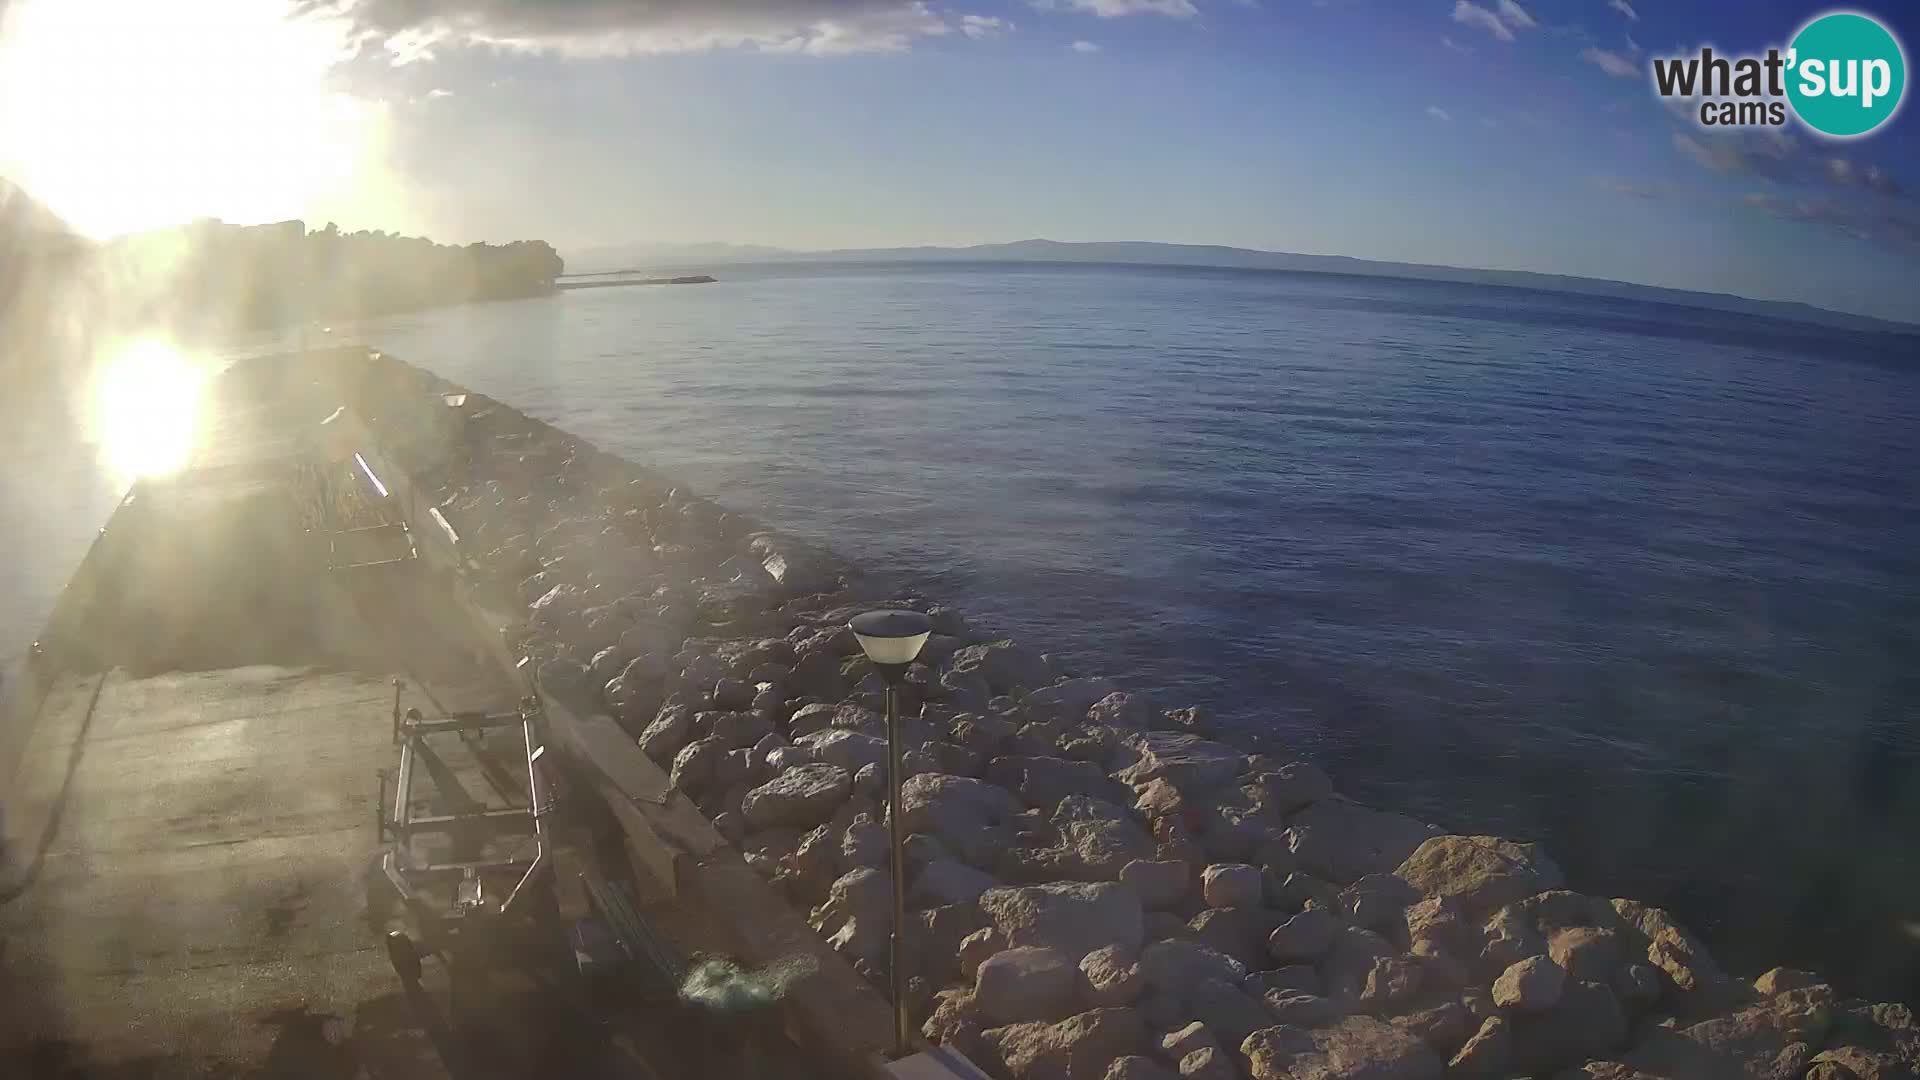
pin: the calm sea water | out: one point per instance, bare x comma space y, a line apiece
1641, 582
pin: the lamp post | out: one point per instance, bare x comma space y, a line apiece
891, 640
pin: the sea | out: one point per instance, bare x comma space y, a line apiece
1638, 581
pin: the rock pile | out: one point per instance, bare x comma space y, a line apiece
1100, 888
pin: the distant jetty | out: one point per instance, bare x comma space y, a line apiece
601, 282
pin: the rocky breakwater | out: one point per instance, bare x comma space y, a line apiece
1100, 887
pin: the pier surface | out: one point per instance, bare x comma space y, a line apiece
190, 783
202, 897
190, 811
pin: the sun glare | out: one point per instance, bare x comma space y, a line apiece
124, 115
147, 411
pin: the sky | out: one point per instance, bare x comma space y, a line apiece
1512, 134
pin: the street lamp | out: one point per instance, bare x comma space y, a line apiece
891, 640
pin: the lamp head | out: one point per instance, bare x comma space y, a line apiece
892, 638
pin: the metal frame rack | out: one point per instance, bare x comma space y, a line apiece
415, 879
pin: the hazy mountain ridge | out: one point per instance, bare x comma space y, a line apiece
616, 258
1215, 255
30, 234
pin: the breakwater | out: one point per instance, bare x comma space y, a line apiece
614, 282
1094, 873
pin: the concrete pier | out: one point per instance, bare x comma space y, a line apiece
190, 781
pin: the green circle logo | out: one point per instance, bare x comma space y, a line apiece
1846, 75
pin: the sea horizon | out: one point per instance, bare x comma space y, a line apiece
1169, 255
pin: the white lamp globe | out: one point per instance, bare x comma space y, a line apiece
892, 638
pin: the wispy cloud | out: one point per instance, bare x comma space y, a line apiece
1516, 16
1468, 13
439, 92
1762, 152
1084, 47
1641, 189
1624, 8
1455, 46
1771, 155
1114, 9
413, 29
1440, 114
984, 26
1845, 173
1860, 201
1890, 224
1613, 63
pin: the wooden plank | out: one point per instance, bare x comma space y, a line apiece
672, 818
604, 742
661, 865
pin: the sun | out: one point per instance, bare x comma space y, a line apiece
125, 115
146, 411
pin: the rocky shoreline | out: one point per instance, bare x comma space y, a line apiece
1100, 886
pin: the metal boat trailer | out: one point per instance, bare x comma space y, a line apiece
474, 882
413, 879
520, 917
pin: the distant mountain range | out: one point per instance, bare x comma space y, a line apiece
30, 236
617, 258
707, 256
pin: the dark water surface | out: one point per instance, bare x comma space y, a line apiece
1638, 581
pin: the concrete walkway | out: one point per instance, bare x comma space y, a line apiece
201, 907
202, 795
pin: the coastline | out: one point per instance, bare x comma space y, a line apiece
724, 653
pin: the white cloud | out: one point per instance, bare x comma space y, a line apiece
1468, 13
439, 92
410, 30
1768, 153
1439, 113
1516, 16
1620, 67
1084, 47
1845, 173
1632, 45
1697, 152
1624, 8
888, 34
1643, 189
1455, 46
984, 26
1893, 225
1113, 9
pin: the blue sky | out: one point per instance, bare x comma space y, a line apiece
1515, 135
